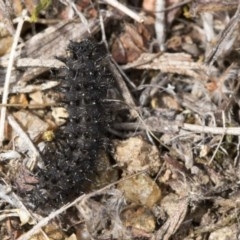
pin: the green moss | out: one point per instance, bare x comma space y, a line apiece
44, 4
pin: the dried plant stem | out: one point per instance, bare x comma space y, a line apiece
125, 10
221, 140
32, 62
160, 23
34, 152
124, 90
207, 19
226, 38
32, 106
10, 197
81, 16
235, 131
8, 75
78, 200
177, 5
236, 159
47, 219
212, 130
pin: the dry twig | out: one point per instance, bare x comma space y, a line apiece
160, 23
226, 38
174, 128
8, 75
34, 152
125, 10
32, 62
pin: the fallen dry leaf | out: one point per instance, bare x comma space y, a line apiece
180, 63
176, 209
129, 45
33, 125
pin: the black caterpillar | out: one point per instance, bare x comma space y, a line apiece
72, 159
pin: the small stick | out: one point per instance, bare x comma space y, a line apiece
226, 38
8, 75
47, 219
125, 10
80, 199
235, 131
34, 152
177, 5
221, 140
81, 16
160, 23
35, 106
33, 62
123, 87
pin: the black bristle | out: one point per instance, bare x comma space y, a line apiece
71, 160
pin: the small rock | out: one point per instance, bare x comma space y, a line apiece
140, 218
141, 189
137, 155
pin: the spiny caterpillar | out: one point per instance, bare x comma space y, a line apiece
72, 158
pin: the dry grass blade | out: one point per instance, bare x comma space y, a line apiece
213, 6
31, 62
34, 153
177, 212
8, 75
125, 92
226, 38
180, 63
174, 127
45, 221
160, 23
43, 45
6, 13
125, 10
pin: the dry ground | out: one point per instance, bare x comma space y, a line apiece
174, 154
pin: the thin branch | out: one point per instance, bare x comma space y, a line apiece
125, 10
8, 75
81, 16
83, 197
207, 19
32, 62
221, 140
226, 38
122, 85
47, 219
235, 131
34, 152
160, 23
177, 5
